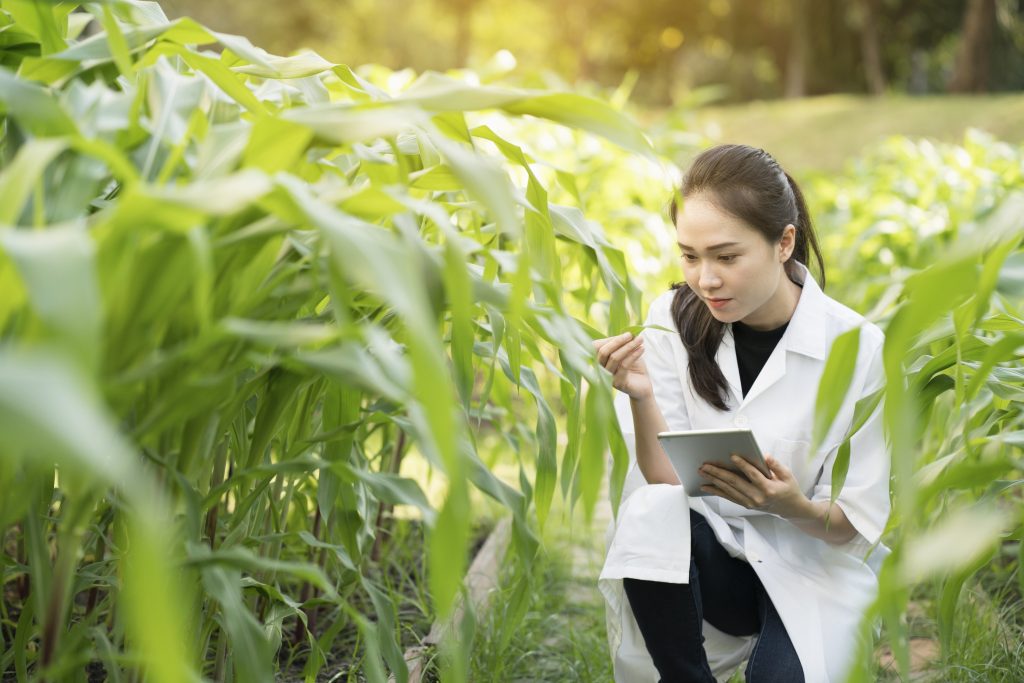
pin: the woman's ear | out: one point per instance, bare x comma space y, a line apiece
787, 243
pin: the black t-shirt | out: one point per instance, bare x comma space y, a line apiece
753, 347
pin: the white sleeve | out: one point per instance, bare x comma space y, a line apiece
864, 497
666, 380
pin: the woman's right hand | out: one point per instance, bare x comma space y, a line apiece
622, 356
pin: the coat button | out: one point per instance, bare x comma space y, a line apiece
740, 421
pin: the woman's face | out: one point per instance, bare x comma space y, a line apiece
731, 266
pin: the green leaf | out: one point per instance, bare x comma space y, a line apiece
438, 92
250, 648
972, 531
275, 145
835, 383
637, 329
21, 176
46, 407
448, 540
346, 124
597, 415
387, 632
459, 291
840, 468
586, 113
281, 392
392, 489
42, 20
57, 266
484, 180
115, 38
223, 78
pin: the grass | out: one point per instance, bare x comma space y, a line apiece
561, 634
562, 637
988, 637
823, 133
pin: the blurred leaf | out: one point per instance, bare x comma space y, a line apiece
45, 406
41, 20
341, 124
1011, 275
972, 531
115, 38
275, 145
57, 266
19, 178
436, 91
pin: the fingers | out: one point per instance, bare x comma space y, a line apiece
606, 346
740, 490
723, 489
621, 374
753, 474
777, 468
715, 491
734, 480
616, 351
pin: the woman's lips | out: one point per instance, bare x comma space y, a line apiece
717, 303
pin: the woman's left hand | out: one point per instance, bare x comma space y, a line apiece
780, 495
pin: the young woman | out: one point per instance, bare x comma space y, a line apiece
762, 569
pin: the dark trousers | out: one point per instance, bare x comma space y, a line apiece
725, 591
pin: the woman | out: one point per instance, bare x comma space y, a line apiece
763, 569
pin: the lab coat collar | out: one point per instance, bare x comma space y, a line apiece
805, 335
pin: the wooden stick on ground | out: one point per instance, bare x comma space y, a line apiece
481, 581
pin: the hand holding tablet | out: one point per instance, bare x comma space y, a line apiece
688, 451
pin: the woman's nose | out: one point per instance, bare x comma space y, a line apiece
708, 278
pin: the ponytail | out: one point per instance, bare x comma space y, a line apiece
806, 239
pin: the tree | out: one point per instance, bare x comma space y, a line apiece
870, 49
463, 11
798, 51
970, 75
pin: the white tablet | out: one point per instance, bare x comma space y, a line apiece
688, 450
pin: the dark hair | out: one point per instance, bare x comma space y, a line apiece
749, 184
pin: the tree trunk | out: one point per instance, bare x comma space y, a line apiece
870, 48
970, 75
463, 33
799, 49
574, 17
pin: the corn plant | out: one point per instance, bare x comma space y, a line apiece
928, 238
240, 292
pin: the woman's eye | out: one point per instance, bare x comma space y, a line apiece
727, 257
689, 257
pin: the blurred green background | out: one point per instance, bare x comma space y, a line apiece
814, 83
745, 50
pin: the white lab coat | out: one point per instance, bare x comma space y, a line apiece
820, 590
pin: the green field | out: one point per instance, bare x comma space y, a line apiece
823, 133
277, 335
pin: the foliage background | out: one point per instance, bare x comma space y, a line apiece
215, 258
